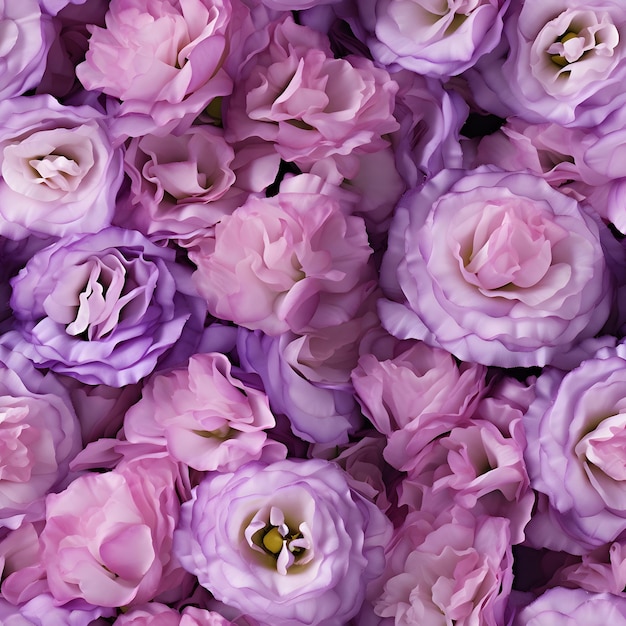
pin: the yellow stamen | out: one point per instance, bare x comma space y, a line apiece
273, 541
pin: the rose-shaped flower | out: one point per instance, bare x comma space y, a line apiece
39, 435
456, 569
310, 104
573, 606
182, 184
25, 38
432, 38
476, 467
162, 58
206, 417
108, 537
103, 308
575, 430
291, 262
564, 63
497, 268
59, 171
287, 543
415, 397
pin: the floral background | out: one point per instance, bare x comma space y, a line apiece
312, 312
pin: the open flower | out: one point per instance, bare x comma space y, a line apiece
433, 38
162, 58
495, 267
291, 262
564, 63
287, 543
575, 431
108, 537
60, 171
205, 416
104, 307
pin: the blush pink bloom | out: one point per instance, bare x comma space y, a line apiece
415, 397
108, 537
311, 105
206, 418
433, 39
39, 435
456, 569
495, 267
182, 184
575, 431
564, 63
288, 543
291, 262
476, 467
162, 58
60, 171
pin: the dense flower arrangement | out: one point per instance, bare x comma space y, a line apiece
313, 312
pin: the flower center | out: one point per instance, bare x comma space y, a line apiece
268, 533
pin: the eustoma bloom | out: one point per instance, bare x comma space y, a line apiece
60, 171
205, 416
575, 451
162, 58
495, 267
433, 38
565, 63
291, 262
287, 543
111, 304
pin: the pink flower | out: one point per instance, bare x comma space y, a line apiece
416, 396
60, 171
442, 39
291, 262
39, 435
162, 58
182, 184
206, 417
155, 614
310, 104
108, 537
453, 570
495, 267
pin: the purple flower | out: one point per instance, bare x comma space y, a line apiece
103, 308
564, 63
317, 412
60, 172
495, 267
441, 39
287, 543
313, 106
25, 38
575, 430
573, 606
